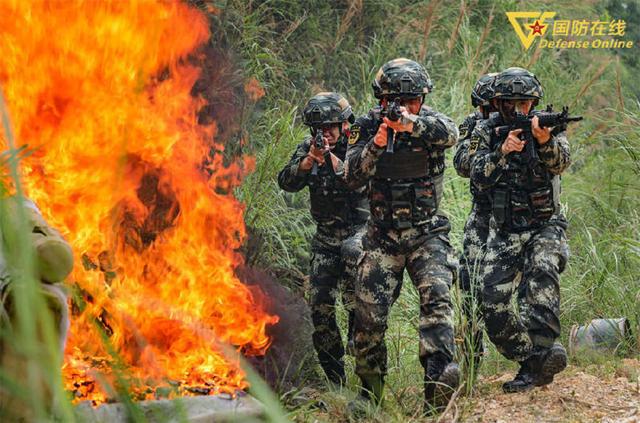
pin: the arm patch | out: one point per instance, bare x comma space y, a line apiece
354, 135
473, 144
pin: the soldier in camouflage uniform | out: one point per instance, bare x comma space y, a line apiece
476, 229
527, 246
404, 231
340, 214
53, 261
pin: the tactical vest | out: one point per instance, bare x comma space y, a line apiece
406, 188
525, 196
332, 202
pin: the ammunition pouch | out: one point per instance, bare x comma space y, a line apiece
501, 206
480, 198
403, 205
520, 210
329, 206
542, 204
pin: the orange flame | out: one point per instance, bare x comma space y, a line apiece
100, 92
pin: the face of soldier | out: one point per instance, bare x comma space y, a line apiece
508, 108
332, 132
412, 104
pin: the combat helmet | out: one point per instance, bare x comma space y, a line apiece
403, 78
327, 108
483, 90
517, 84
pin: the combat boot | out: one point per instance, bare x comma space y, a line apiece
441, 379
553, 361
526, 378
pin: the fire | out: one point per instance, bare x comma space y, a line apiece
100, 93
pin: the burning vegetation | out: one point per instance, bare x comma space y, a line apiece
101, 95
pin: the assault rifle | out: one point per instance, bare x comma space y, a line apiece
546, 119
393, 113
318, 143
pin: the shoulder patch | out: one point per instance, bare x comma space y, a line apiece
463, 130
354, 135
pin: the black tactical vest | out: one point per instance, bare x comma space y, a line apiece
406, 188
526, 195
332, 202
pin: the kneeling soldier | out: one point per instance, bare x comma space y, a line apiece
527, 240
340, 214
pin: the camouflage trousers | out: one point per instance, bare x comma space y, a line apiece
529, 263
333, 262
431, 264
474, 241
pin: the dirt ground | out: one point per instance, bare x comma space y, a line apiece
577, 395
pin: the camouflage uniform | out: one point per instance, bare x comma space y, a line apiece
527, 247
53, 261
340, 214
474, 239
404, 232
526, 244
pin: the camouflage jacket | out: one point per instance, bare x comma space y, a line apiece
405, 187
433, 132
488, 164
462, 160
333, 203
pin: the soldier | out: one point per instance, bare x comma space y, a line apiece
340, 214
477, 227
405, 230
527, 242
53, 261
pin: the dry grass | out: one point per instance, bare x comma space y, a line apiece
483, 38
598, 73
354, 9
426, 29
454, 33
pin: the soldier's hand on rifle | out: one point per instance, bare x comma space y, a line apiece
380, 139
401, 125
314, 155
543, 135
512, 143
317, 154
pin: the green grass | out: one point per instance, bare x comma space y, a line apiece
600, 190
297, 48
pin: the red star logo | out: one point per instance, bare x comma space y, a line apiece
537, 28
